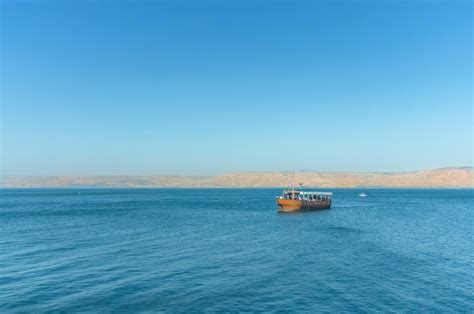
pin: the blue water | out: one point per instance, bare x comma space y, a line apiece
229, 250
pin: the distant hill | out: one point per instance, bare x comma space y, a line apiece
445, 177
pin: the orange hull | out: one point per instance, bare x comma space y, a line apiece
289, 205
297, 205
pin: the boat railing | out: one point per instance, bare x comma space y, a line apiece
306, 196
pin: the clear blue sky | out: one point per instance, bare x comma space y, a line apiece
208, 87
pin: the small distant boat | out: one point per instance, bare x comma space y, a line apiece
362, 194
292, 200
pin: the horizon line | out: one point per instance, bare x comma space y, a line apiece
243, 171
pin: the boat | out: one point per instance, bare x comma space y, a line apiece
362, 194
291, 200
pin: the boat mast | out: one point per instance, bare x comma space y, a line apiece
293, 183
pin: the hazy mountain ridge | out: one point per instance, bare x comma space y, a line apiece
445, 177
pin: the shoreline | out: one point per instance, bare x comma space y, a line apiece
238, 188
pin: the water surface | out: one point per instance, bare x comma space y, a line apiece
184, 250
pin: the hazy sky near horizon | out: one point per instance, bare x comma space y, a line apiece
207, 87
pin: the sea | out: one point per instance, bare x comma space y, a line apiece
229, 250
